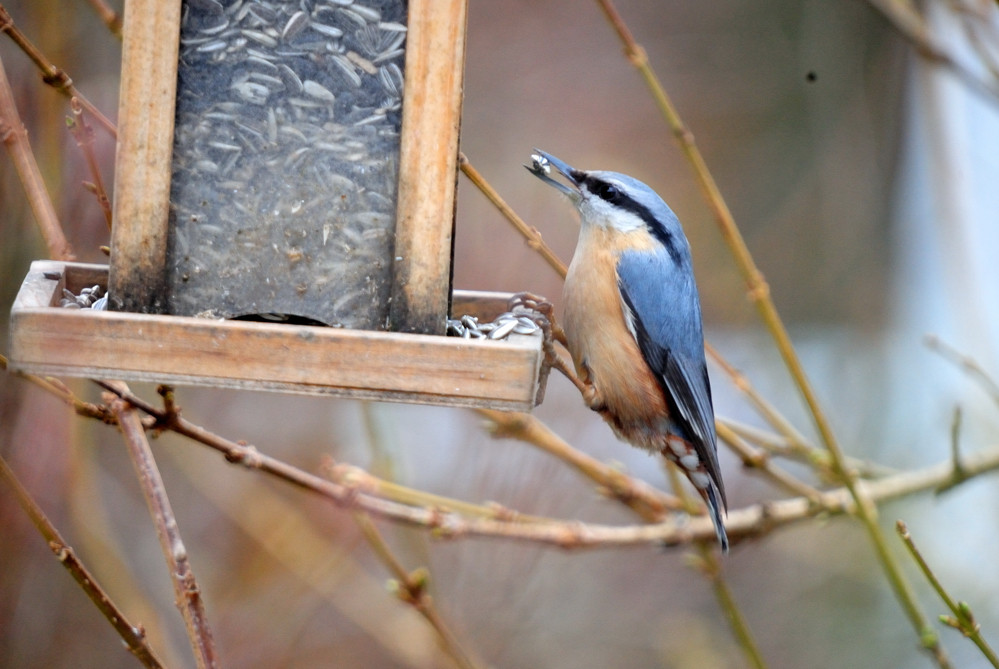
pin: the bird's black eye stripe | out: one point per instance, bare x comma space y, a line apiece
614, 195
604, 190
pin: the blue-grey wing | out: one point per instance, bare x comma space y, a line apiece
660, 303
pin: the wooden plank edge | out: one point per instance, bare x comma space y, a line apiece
44, 283
454, 401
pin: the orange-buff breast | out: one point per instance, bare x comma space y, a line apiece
603, 350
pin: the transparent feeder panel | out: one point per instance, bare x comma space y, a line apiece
286, 159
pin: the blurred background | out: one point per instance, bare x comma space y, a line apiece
863, 179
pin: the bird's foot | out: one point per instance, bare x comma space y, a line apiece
541, 311
594, 400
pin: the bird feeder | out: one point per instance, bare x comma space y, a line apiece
283, 211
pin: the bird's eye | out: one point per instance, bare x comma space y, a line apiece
606, 191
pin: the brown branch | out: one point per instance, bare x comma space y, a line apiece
817, 459
51, 75
356, 478
650, 504
796, 440
532, 235
186, 590
15, 136
59, 389
110, 17
761, 461
752, 521
133, 635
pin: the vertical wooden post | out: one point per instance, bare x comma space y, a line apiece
428, 165
145, 146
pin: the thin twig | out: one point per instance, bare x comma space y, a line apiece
15, 136
532, 235
710, 564
52, 75
59, 389
770, 413
649, 503
910, 25
967, 364
963, 619
761, 462
955, 454
110, 17
711, 567
817, 459
411, 588
356, 478
84, 136
759, 293
282, 528
186, 590
133, 635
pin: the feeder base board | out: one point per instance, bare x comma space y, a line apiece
51, 340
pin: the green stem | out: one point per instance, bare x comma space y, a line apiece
728, 604
963, 619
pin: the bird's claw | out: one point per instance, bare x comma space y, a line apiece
542, 312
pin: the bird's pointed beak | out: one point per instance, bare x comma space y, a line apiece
541, 164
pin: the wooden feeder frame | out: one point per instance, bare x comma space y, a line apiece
414, 363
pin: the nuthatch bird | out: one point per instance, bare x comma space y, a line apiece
633, 324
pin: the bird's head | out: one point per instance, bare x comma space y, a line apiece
614, 201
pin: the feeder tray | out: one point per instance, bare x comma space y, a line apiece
273, 160
51, 340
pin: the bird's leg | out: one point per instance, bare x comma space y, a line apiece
542, 312
591, 395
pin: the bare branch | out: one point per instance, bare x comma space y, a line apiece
761, 461
51, 75
646, 501
110, 17
749, 522
752, 521
966, 363
133, 635
15, 136
186, 590
533, 237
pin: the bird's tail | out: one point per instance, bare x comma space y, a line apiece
713, 500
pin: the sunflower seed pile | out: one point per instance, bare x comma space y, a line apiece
89, 298
469, 327
285, 163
